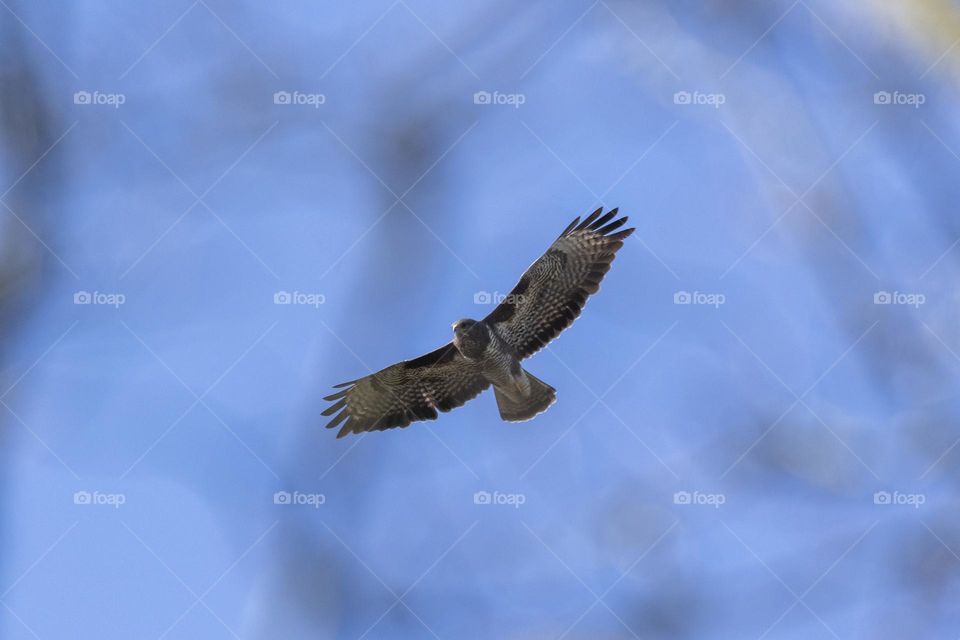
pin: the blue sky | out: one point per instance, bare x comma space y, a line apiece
755, 427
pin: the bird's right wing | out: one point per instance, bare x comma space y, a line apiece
406, 392
552, 292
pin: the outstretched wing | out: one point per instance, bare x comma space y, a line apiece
406, 392
552, 292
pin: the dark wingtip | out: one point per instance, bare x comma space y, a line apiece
620, 235
571, 226
337, 419
616, 224
602, 220
596, 223
332, 409
336, 396
589, 219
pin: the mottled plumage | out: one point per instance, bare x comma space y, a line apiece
548, 298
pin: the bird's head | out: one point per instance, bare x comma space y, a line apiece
460, 327
471, 338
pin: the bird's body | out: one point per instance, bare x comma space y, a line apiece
520, 396
488, 352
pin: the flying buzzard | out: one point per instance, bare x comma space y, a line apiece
548, 298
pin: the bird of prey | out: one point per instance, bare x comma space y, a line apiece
548, 298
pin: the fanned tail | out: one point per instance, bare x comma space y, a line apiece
541, 397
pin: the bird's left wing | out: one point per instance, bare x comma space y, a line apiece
406, 392
552, 292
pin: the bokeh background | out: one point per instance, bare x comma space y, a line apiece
757, 427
